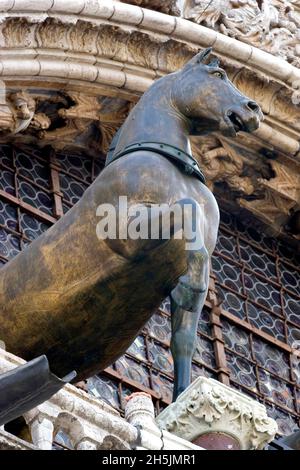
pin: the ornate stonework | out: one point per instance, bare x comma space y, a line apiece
89, 423
266, 184
71, 121
271, 25
17, 110
225, 160
86, 65
207, 407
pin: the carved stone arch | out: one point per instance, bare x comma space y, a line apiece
111, 442
71, 425
116, 50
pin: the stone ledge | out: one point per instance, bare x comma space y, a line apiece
10, 442
90, 423
125, 14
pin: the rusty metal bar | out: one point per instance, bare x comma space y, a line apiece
58, 195
253, 329
27, 207
219, 345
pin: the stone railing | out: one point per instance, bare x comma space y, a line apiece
89, 423
208, 415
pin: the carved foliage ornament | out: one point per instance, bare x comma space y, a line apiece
209, 406
271, 25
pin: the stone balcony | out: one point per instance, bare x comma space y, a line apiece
208, 415
89, 423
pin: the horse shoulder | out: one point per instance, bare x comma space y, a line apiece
211, 214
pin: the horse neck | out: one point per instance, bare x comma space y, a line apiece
156, 118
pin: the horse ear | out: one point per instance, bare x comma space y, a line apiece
201, 57
214, 63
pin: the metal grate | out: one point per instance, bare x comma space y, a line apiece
260, 317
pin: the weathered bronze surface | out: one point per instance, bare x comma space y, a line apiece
26, 387
185, 161
81, 300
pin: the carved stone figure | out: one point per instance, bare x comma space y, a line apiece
16, 110
81, 299
222, 163
261, 23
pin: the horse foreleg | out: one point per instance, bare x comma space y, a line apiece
187, 300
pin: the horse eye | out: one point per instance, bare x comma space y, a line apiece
219, 75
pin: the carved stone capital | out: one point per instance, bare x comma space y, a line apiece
209, 410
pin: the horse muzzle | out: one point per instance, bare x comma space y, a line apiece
245, 118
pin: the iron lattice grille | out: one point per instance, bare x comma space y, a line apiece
246, 341
258, 280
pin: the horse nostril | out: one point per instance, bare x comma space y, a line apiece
252, 106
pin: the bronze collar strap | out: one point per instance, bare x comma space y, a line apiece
178, 156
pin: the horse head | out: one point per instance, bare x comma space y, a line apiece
203, 93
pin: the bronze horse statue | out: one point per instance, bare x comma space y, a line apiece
81, 300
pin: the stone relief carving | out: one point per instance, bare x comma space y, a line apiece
18, 112
224, 161
75, 120
281, 197
273, 209
208, 406
261, 181
78, 121
271, 25
23, 110
92, 122
287, 180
